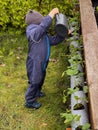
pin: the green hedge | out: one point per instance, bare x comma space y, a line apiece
12, 12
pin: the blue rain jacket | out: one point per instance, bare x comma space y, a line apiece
39, 49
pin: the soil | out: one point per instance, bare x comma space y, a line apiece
78, 106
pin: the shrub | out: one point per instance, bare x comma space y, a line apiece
12, 12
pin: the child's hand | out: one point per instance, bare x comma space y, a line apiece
69, 32
53, 12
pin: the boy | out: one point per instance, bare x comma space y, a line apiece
38, 53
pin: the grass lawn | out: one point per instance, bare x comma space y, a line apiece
13, 84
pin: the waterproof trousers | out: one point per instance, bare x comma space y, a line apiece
33, 91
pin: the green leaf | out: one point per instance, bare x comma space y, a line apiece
72, 90
63, 74
11, 53
64, 99
77, 117
77, 97
72, 71
86, 126
85, 89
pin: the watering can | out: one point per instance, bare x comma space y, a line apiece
61, 26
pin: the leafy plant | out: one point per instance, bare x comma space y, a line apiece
69, 117
72, 70
75, 59
86, 126
68, 92
79, 105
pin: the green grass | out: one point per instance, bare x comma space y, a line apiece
13, 85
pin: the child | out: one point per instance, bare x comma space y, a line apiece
38, 53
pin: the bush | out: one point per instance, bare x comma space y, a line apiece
12, 12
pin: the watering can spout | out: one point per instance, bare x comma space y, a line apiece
61, 26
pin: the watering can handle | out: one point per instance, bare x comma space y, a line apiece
57, 15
